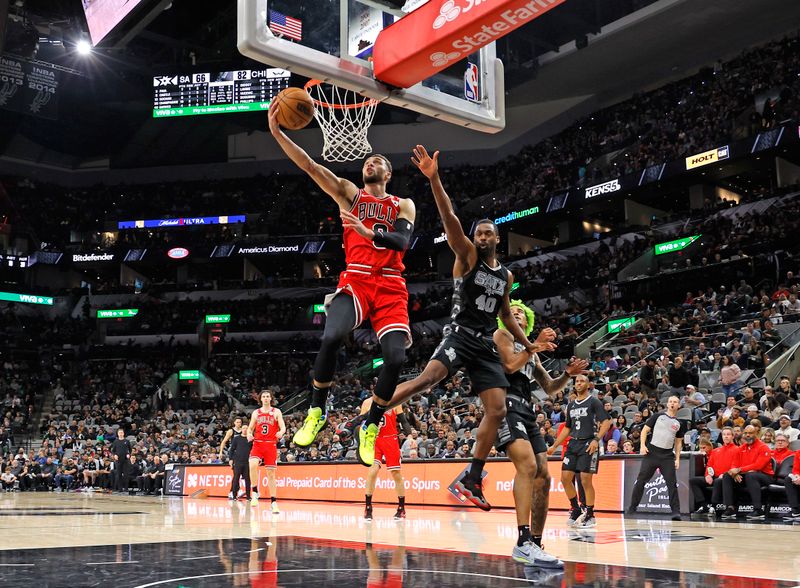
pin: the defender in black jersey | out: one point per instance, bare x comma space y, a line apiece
519, 436
587, 422
480, 294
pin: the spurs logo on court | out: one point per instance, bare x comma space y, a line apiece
440, 58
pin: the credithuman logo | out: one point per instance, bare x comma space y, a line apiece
517, 214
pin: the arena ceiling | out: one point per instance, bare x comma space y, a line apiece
105, 114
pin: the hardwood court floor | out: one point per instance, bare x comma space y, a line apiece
140, 541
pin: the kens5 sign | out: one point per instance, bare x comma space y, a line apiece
439, 33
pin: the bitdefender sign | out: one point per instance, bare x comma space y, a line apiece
83, 257
601, 189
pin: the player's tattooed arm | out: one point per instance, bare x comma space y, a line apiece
552, 386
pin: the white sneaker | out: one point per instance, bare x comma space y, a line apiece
254, 499
586, 523
230, 495
531, 554
275, 509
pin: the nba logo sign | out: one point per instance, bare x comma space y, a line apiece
471, 89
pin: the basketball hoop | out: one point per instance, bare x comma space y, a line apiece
344, 117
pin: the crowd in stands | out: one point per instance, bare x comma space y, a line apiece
678, 119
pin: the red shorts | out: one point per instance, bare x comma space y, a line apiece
267, 452
268, 578
388, 451
382, 297
392, 580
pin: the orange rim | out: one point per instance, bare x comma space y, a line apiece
311, 83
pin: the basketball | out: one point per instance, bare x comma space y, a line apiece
295, 108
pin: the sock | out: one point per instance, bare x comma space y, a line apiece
589, 512
537, 539
318, 397
401, 501
524, 534
476, 469
369, 499
573, 502
375, 414
272, 499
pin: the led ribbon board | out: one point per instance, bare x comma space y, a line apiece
676, 245
117, 313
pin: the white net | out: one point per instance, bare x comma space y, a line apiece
344, 117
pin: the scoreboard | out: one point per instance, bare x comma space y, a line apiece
244, 90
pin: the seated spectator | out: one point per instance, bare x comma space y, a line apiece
718, 461
627, 448
45, 478
781, 450
693, 399
785, 427
612, 448
734, 420
752, 469
448, 452
20, 472
746, 396
768, 436
8, 479
792, 485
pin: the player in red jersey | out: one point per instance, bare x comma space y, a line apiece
265, 429
377, 231
387, 450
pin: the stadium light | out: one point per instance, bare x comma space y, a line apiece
84, 47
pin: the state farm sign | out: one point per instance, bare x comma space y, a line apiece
409, 51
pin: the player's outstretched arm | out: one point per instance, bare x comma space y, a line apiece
429, 166
341, 190
552, 386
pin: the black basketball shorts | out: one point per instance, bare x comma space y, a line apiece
577, 460
477, 355
520, 423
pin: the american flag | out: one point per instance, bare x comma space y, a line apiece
280, 24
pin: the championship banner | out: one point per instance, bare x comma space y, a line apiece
443, 32
427, 483
29, 88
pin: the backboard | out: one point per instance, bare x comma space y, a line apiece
331, 40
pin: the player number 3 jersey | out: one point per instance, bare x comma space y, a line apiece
378, 214
266, 426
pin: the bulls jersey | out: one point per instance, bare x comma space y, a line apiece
477, 297
267, 426
520, 382
583, 416
378, 214
388, 424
